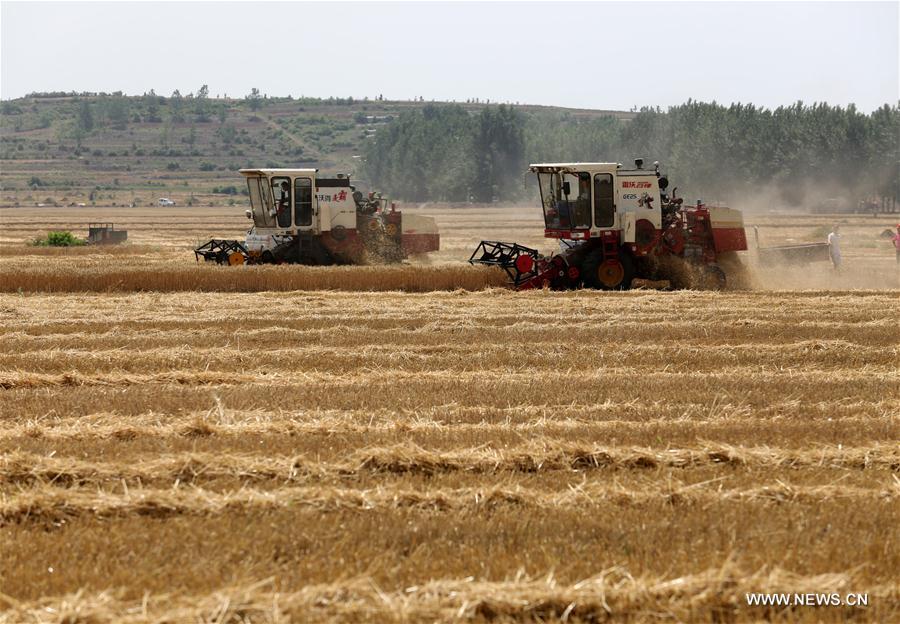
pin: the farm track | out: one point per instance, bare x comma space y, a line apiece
471, 453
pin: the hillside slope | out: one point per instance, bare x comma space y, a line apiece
118, 150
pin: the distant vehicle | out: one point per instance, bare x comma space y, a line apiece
302, 217
165, 201
105, 234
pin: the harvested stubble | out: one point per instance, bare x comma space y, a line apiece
46, 504
611, 594
18, 468
185, 443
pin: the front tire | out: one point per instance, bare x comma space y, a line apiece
610, 274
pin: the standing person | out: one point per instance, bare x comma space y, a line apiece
834, 247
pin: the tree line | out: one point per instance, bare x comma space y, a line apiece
444, 152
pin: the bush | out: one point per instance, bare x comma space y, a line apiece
59, 239
207, 167
225, 190
173, 166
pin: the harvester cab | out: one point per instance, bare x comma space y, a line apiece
583, 200
615, 225
301, 217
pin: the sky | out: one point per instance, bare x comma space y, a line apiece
600, 55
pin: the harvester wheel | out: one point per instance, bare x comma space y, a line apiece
235, 258
267, 257
609, 274
712, 277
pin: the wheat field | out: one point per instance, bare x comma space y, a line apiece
418, 443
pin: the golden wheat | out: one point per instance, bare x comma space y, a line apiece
611, 594
163, 452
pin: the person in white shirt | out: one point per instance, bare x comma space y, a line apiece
834, 246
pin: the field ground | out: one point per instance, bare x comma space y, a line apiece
467, 453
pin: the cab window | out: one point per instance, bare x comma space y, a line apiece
303, 212
281, 196
566, 199
604, 200
260, 202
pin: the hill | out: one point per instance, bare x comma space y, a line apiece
110, 149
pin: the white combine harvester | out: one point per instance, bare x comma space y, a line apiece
302, 218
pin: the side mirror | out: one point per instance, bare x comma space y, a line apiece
566, 189
663, 183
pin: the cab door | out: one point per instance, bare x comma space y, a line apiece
281, 202
305, 204
604, 201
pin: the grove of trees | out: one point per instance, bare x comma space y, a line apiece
444, 152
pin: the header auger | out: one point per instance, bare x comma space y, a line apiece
615, 225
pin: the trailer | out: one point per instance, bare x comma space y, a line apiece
799, 255
105, 234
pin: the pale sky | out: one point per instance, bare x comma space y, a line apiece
582, 55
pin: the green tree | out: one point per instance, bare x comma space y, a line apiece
499, 153
176, 107
116, 111
201, 104
85, 117
255, 99
151, 104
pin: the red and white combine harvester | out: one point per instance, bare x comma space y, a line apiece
615, 225
302, 218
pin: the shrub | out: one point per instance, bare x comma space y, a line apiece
173, 166
59, 239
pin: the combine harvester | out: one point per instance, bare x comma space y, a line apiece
302, 218
616, 225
